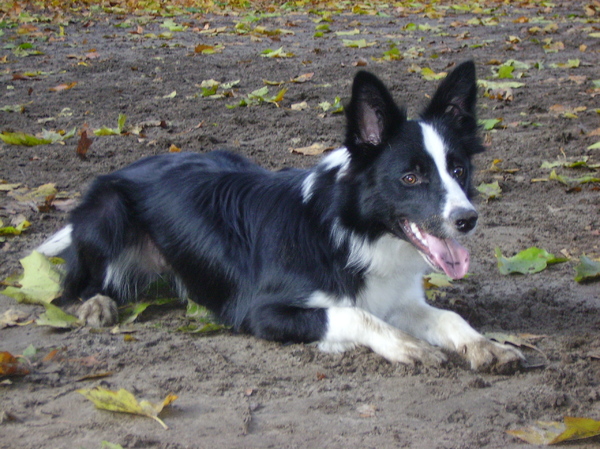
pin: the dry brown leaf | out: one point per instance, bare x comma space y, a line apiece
313, 150
84, 144
11, 366
63, 86
303, 78
366, 410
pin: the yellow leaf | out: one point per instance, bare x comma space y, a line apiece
125, 402
545, 433
40, 283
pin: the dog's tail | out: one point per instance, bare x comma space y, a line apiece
56, 243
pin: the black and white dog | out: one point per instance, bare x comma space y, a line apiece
333, 255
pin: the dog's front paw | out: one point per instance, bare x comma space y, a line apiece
489, 356
98, 311
409, 350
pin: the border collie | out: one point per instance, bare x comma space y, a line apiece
334, 254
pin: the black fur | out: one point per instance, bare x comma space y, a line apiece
253, 245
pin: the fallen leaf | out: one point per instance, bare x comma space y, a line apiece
84, 144
547, 433
587, 270
295, 107
13, 318
105, 131
311, 150
57, 318
490, 191
11, 366
279, 53
529, 261
131, 312
40, 283
491, 123
359, 43
62, 87
303, 78
125, 402
19, 138
366, 410
204, 322
94, 376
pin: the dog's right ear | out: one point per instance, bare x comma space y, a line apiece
372, 117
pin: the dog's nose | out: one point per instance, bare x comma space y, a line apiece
464, 219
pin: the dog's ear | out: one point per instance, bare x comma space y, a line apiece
455, 99
372, 116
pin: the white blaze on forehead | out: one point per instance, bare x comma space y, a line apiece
455, 196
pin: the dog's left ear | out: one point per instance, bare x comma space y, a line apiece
455, 98
372, 116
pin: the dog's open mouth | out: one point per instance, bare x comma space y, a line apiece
446, 255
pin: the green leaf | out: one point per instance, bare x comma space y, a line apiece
279, 53
14, 230
594, 146
529, 261
570, 64
490, 123
57, 318
172, 26
108, 445
131, 312
505, 71
586, 179
430, 75
490, 191
583, 162
54, 137
40, 283
493, 85
20, 138
104, 131
359, 43
121, 122
587, 270
29, 352
335, 108
353, 32
203, 320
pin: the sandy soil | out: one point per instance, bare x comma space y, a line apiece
239, 392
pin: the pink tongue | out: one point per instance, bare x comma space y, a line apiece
449, 255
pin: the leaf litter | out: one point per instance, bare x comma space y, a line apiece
125, 402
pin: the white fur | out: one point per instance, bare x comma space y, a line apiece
136, 267
390, 314
336, 160
56, 243
455, 196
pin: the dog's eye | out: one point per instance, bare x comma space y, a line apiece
411, 179
458, 172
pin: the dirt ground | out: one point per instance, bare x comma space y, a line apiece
239, 392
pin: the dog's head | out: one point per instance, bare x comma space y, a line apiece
415, 175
